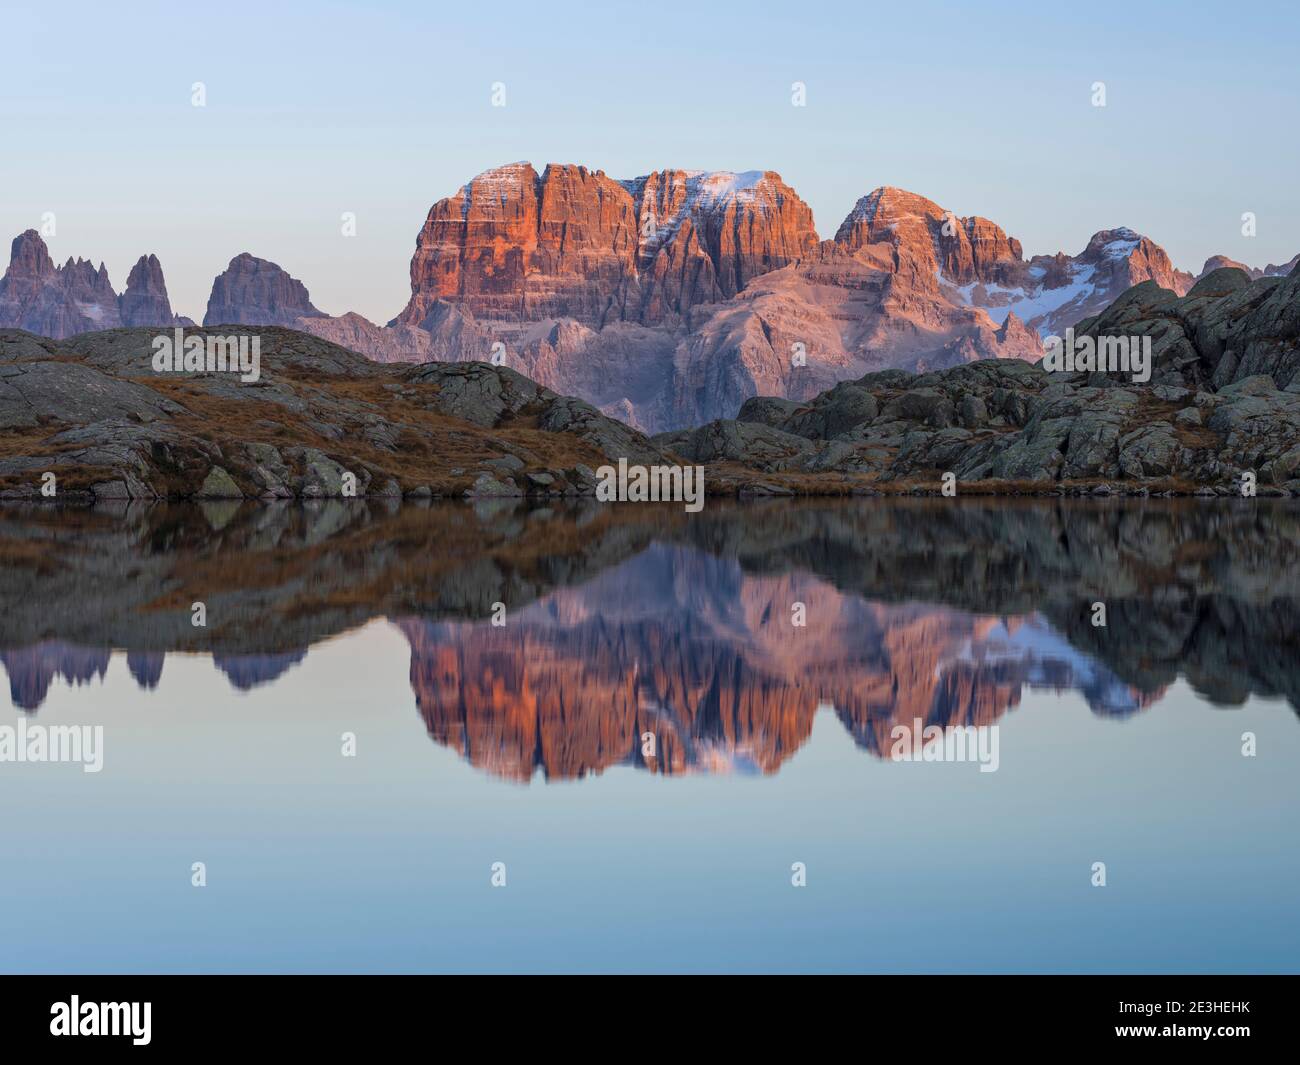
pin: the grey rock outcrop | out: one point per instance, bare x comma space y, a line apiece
320, 422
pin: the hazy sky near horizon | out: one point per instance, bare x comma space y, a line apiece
315, 109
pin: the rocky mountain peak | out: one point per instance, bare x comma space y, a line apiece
146, 274
145, 300
516, 247
1133, 258
253, 291
1285, 269
963, 249
54, 301
1218, 262
29, 257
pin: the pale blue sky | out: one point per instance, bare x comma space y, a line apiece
316, 109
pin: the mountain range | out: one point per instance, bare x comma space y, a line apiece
665, 300
1219, 415
62, 301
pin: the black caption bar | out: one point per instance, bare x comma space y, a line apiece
1230, 1015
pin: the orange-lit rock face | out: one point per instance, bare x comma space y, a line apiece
1124, 259
516, 246
513, 245
670, 299
706, 236
966, 249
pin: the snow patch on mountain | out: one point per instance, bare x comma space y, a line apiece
720, 186
1121, 249
1052, 661
1031, 306
1043, 302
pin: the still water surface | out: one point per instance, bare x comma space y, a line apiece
522, 743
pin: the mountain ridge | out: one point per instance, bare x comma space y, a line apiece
665, 300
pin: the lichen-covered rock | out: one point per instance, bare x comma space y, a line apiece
748, 442
34, 393
973, 412
840, 410
773, 411
613, 439
218, 484
1225, 330
320, 476
928, 405
486, 486
1151, 451
1037, 458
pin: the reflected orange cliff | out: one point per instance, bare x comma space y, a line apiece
710, 661
722, 633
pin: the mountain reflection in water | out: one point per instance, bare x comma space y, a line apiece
632, 619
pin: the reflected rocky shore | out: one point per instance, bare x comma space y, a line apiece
620, 620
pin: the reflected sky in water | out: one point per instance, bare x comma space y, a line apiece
478, 744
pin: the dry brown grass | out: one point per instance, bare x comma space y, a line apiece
431, 444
